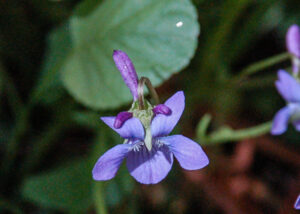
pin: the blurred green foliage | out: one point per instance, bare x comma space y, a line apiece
140, 28
58, 77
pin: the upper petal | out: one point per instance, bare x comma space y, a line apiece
162, 124
132, 128
288, 87
150, 167
109, 163
188, 153
127, 71
293, 40
280, 121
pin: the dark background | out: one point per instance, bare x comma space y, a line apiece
48, 147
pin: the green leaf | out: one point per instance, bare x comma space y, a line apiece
67, 188
88, 119
146, 30
86, 7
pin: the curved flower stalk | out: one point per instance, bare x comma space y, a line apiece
148, 149
293, 46
297, 203
289, 88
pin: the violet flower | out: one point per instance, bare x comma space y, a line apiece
293, 46
147, 148
297, 203
289, 88
150, 166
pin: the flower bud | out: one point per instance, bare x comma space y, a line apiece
127, 70
293, 40
293, 46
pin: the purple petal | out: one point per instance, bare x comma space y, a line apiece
121, 118
109, 163
288, 87
188, 153
162, 109
150, 167
297, 203
132, 128
293, 40
127, 71
295, 65
280, 121
162, 124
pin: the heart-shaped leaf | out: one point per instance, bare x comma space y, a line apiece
159, 36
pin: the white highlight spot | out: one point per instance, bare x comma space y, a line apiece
179, 24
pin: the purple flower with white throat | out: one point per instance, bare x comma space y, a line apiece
148, 148
293, 46
289, 88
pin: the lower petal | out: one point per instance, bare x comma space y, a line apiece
280, 121
150, 167
109, 163
188, 153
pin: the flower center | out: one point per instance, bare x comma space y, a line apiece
138, 146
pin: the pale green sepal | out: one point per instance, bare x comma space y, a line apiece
148, 139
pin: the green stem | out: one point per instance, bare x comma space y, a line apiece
227, 134
13, 95
98, 188
145, 81
258, 66
21, 115
99, 199
12, 144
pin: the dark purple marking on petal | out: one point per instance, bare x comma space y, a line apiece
162, 109
188, 153
293, 40
127, 70
280, 121
109, 163
150, 167
132, 128
297, 203
161, 124
121, 118
288, 86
